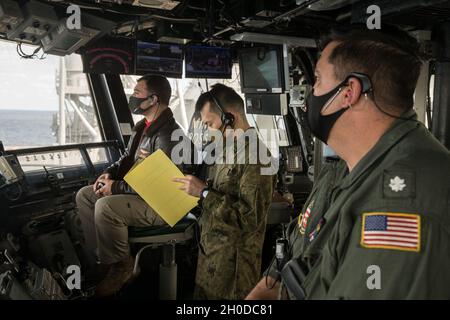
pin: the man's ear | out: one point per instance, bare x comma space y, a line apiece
154, 99
352, 92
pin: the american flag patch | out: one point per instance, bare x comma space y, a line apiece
399, 231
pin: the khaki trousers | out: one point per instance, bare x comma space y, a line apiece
105, 222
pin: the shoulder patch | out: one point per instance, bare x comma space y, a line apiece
304, 218
386, 230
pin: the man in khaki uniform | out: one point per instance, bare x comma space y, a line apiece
108, 207
234, 204
376, 224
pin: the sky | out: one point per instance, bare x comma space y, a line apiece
27, 84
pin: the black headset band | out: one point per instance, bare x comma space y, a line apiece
366, 87
227, 118
216, 102
364, 79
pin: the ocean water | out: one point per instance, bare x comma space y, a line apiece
24, 128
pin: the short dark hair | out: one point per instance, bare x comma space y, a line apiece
158, 85
228, 99
390, 57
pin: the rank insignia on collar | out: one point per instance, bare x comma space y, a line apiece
304, 217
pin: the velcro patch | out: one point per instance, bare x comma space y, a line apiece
398, 231
399, 184
304, 218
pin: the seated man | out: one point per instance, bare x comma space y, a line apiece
108, 207
376, 224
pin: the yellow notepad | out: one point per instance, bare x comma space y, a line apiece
152, 180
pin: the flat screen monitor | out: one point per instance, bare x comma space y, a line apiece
110, 56
208, 62
261, 69
159, 58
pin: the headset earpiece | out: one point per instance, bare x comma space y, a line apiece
227, 119
364, 80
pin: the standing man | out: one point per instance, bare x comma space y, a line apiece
234, 203
376, 226
108, 207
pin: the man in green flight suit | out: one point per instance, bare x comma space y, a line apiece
235, 202
377, 223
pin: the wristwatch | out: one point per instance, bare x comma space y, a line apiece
204, 193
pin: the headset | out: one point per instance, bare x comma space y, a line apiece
227, 118
364, 80
367, 88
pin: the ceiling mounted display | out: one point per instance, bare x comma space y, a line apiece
63, 41
109, 55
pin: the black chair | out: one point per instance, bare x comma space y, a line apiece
166, 237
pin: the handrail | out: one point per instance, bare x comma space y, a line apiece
89, 145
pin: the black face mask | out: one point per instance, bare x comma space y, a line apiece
319, 124
134, 104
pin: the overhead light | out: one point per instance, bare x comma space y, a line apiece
324, 5
256, 23
157, 4
172, 33
274, 39
177, 40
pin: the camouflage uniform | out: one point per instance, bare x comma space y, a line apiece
233, 224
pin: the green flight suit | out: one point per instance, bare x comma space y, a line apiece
381, 231
233, 224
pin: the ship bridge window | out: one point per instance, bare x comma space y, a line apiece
185, 93
44, 102
51, 160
